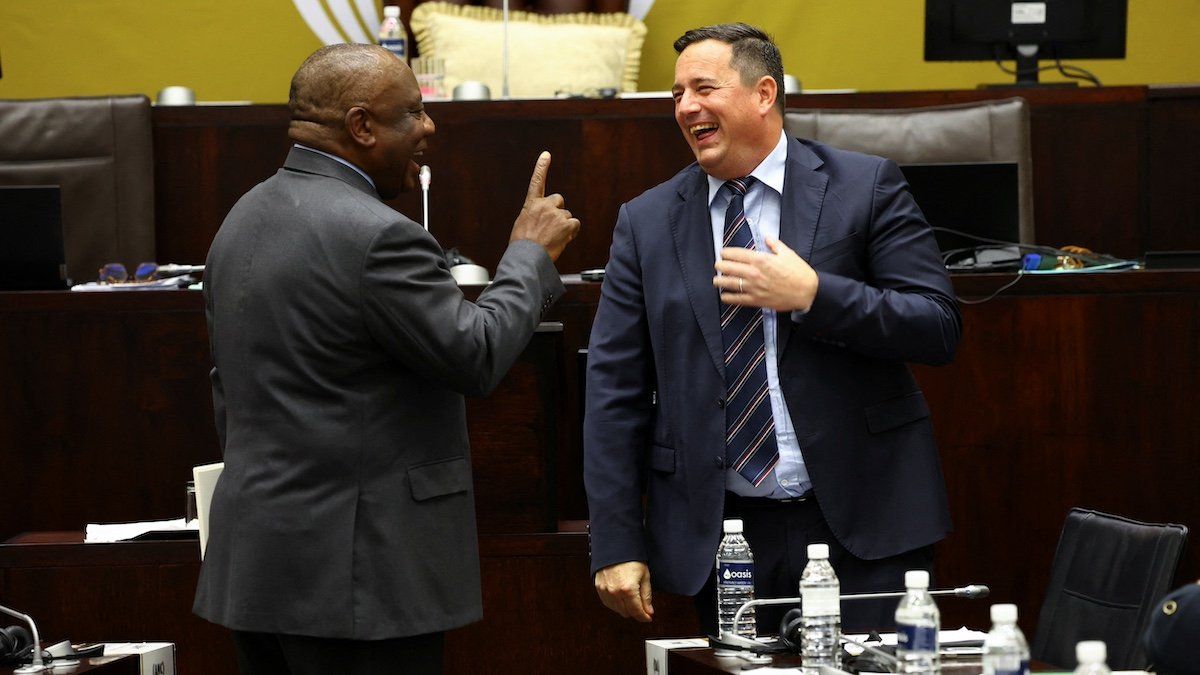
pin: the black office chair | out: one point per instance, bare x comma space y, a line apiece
1108, 574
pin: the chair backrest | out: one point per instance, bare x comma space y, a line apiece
1107, 577
988, 131
100, 152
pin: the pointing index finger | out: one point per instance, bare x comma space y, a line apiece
537, 184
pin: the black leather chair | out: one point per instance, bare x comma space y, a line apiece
985, 131
1108, 575
100, 151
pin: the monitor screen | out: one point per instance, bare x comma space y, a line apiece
31, 238
980, 199
988, 30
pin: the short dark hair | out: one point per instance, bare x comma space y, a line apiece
754, 53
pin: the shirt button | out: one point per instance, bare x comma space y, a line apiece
785, 482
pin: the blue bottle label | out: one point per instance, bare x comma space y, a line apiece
397, 47
735, 574
1021, 668
916, 638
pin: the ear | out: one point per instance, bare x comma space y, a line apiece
768, 92
360, 127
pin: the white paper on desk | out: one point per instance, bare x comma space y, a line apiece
945, 637
111, 532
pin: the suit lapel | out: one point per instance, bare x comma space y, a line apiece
691, 227
799, 212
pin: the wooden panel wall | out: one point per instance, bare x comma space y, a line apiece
1112, 167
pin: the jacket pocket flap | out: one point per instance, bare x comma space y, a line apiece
896, 412
834, 249
442, 477
662, 458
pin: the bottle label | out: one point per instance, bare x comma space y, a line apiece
397, 46
820, 602
916, 638
1005, 665
735, 573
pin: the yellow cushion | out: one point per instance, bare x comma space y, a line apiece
546, 53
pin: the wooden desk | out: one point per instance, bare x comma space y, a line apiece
541, 614
106, 405
1114, 168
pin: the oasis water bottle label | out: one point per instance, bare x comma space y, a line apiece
917, 638
735, 574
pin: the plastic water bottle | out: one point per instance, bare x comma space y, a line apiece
735, 581
821, 612
1005, 651
917, 623
391, 33
1092, 656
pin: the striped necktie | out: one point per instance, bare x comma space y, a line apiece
750, 446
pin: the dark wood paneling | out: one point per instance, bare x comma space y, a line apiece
1173, 174
541, 614
105, 407
1107, 173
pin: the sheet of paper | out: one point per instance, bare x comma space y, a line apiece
110, 532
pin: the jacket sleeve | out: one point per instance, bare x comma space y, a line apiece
414, 308
905, 309
618, 410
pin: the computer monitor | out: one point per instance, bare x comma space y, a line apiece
1000, 30
31, 238
980, 199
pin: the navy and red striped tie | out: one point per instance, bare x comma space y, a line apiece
750, 446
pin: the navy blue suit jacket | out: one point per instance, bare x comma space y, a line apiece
654, 423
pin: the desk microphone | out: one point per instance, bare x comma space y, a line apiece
426, 177
971, 592
37, 665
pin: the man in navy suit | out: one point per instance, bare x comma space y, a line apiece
748, 357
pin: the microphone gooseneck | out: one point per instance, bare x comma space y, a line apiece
38, 665
970, 592
426, 178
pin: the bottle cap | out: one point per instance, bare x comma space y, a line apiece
391, 11
916, 579
1004, 613
733, 526
818, 551
1091, 651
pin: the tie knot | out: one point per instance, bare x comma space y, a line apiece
740, 185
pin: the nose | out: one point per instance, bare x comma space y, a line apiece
430, 127
687, 103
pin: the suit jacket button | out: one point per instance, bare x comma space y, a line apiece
720, 462
721, 403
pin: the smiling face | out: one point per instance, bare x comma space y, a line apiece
401, 129
730, 126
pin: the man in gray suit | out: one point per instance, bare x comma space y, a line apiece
343, 529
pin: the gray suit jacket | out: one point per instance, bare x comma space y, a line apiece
343, 349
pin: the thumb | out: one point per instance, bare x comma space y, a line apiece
645, 593
537, 184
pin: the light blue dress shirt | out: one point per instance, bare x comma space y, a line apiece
339, 160
762, 204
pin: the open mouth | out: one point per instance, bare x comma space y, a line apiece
703, 130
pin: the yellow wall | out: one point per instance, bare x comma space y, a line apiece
877, 45
248, 49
